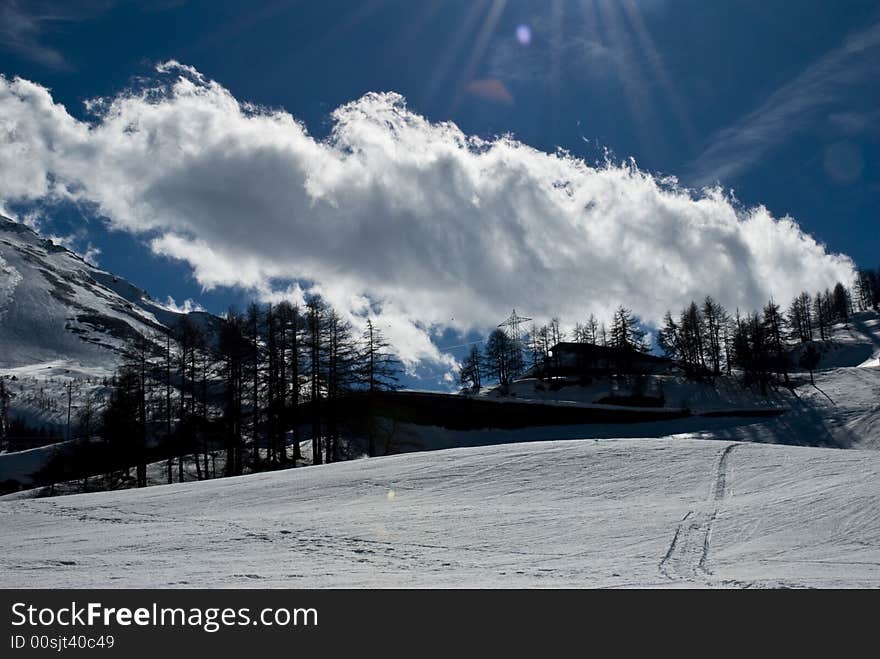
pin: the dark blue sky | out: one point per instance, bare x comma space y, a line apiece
763, 94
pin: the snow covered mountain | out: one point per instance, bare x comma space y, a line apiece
56, 307
65, 321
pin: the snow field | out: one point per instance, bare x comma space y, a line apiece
584, 513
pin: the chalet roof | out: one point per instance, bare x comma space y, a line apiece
592, 350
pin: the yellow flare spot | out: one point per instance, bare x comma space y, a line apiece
391, 495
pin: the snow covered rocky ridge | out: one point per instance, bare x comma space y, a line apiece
650, 504
54, 305
63, 320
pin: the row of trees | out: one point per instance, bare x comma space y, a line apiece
506, 356
255, 388
704, 338
867, 289
700, 339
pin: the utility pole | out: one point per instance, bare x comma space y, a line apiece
69, 396
4, 413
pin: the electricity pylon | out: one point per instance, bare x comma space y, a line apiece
512, 325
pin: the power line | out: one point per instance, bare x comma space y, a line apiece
461, 345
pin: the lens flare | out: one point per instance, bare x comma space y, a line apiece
524, 35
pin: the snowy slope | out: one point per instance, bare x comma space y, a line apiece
19, 465
724, 394
62, 320
656, 512
841, 409
856, 343
54, 305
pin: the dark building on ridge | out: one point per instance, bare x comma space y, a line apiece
587, 359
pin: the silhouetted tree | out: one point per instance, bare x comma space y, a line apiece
469, 375
186, 338
342, 376
272, 384
138, 364
120, 422
627, 338
750, 350
296, 376
499, 356
800, 318
556, 333
379, 372
809, 360
283, 324
840, 303
87, 423
168, 410
669, 338
867, 289
626, 335
773, 324
4, 413
715, 318
316, 336
254, 365
823, 314
234, 349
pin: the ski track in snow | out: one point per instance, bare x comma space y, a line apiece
688, 553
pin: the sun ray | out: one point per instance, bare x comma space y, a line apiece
635, 87
591, 21
367, 9
249, 20
417, 25
442, 70
557, 38
479, 49
655, 60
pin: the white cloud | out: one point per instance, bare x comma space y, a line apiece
188, 306
410, 221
